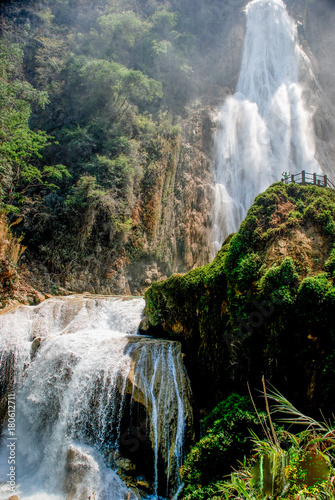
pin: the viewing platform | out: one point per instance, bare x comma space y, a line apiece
305, 178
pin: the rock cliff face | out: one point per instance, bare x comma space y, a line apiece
265, 305
13, 287
182, 237
179, 230
177, 211
315, 30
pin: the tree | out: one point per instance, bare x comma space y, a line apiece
19, 145
110, 88
121, 34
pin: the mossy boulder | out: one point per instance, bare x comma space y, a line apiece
265, 305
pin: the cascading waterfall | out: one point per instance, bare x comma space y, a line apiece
157, 363
264, 129
89, 391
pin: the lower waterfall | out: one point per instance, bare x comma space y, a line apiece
95, 411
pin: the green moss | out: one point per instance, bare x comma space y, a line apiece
315, 301
294, 218
251, 310
248, 271
278, 282
330, 264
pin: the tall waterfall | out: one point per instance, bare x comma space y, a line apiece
91, 397
264, 129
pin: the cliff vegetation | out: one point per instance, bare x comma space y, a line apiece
264, 306
98, 140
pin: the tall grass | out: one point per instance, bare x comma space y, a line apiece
295, 466
10, 246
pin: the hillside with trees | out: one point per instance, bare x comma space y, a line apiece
93, 98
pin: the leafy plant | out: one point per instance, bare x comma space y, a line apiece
302, 471
226, 441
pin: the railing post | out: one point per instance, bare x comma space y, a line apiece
314, 178
292, 178
303, 177
325, 181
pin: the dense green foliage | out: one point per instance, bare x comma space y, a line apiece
247, 456
227, 440
91, 95
20, 146
268, 295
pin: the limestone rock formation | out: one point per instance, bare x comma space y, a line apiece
264, 306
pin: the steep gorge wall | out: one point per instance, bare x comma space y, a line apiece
182, 237
175, 213
179, 206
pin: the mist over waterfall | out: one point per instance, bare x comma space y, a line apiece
92, 398
264, 129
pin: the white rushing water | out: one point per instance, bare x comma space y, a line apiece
79, 368
264, 129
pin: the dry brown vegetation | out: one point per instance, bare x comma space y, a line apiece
10, 246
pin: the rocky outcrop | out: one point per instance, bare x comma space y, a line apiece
178, 233
264, 306
157, 380
13, 287
194, 191
181, 240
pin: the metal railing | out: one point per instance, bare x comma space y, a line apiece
305, 178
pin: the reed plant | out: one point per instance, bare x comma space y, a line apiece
286, 464
10, 245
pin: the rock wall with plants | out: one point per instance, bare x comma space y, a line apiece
106, 124
106, 155
264, 306
13, 285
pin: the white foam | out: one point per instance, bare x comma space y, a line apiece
264, 129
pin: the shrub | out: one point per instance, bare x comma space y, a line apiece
302, 471
227, 440
315, 300
225, 411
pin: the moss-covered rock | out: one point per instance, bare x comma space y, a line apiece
265, 305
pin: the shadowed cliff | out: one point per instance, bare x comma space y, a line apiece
265, 305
